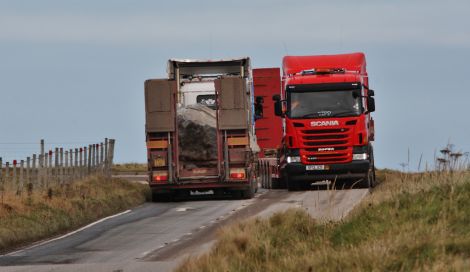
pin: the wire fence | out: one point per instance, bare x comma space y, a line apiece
58, 166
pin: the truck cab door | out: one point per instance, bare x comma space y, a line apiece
160, 105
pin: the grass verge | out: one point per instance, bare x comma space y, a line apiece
41, 215
410, 222
129, 168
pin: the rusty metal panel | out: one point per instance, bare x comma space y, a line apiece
160, 105
233, 103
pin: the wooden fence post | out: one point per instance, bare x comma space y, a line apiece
2, 184
101, 158
76, 163
34, 172
89, 159
61, 166
81, 163
93, 160
106, 156
42, 171
111, 155
71, 164
7, 174
20, 179
56, 165
67, 168
28, 170
85, 161
15, 174
46, 169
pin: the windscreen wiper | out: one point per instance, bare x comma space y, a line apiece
344, 113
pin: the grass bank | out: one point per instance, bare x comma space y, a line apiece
129, 168
410, 222
44, 214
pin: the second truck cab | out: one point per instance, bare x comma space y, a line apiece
328, 129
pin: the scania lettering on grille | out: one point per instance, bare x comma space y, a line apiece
326, 149
324, 123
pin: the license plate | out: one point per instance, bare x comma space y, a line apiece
315, 167
159, 162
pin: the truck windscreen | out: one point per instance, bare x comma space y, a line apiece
323, 104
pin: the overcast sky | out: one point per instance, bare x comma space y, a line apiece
72, 72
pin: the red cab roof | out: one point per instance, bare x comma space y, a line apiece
350, 62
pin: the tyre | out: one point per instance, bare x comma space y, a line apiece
292, 185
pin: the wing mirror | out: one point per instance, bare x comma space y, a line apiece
277, 105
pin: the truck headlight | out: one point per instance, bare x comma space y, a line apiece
360, 156
293, 159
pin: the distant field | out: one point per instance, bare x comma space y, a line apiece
410, 222
44, 214
129, 167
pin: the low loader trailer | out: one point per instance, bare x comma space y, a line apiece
218, 89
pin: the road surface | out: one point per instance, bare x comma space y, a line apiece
158, 236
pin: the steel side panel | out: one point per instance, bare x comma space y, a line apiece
159, 105
233, 104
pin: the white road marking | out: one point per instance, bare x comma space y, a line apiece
183, 209
66, 235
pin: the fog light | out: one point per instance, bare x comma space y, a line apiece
293, 159
361, 156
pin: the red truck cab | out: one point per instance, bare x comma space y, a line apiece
328, 130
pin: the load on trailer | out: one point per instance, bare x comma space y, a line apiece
200, 128
328, 130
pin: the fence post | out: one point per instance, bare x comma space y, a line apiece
46, 170
42, 170
67, 166
51, 174
71, 164
106, 156
2, 184
56, 165
28, 169
101, 158
89, 159
7, 173
111, 155
85, 161
76, 163
81, 163
15, 174
61, 166
34, 173
20, 179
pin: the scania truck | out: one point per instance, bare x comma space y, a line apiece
328, 130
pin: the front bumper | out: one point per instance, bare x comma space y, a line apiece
354, 169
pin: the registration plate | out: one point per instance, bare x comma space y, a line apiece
159, 162
316, 167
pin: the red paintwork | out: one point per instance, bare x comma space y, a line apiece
295, 136
267, 82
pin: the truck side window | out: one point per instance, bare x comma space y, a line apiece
259, 107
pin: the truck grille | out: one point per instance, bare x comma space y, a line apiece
326, 146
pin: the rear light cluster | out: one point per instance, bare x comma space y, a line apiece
160, 176
237, 173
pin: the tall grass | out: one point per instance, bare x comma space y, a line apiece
410, 222
63, 208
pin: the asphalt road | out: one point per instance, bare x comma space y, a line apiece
157, 236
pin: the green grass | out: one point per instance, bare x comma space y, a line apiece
411, 222
25, 219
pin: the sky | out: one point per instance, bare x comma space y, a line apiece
72, 72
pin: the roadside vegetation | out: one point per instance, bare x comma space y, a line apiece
132, 168
410, 222
39, 215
